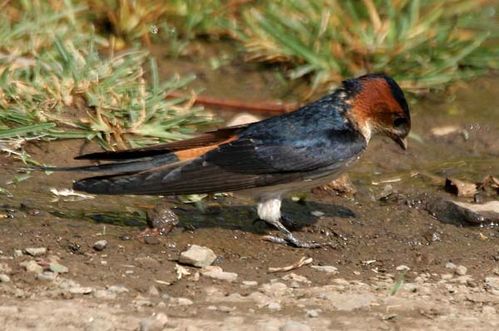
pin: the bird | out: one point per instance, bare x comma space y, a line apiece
267, 160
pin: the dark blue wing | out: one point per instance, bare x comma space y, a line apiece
273, 154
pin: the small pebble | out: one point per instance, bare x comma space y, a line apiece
341, 281
155, 323
31, 266
451, 288
296, 278
216, 272
142, 302
471, 283
80, 290
435, 236
312, 313
18, 253
5, 268
249, 283
100, 245
47, 275
74, 247
317, 213
274, 289
326, 268
151, 240
117, 289
450, 265
35, 251
197, 256
4, 278
402, 267
274, 306
410, 287
104, 294
153, 291
226, 309
181, 301
58, 268
461, 270
492, 284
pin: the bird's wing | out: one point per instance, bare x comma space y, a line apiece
236, 165
290, 154
141, 159
210, 138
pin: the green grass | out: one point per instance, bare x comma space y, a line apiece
424, 44
56, 83
399, 283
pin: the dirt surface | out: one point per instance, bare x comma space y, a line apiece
391, 264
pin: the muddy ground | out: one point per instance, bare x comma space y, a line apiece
395, 265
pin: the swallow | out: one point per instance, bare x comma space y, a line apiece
269, 159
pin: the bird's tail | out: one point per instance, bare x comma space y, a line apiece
119, 167
139, 171
144, 182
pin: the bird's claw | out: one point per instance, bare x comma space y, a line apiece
288, 237
293, 241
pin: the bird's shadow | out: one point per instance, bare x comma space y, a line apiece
233, 217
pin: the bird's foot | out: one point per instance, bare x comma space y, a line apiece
293, 241
288, 238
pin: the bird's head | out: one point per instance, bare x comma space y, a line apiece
378, 105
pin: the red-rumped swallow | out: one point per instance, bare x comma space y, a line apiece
267, 159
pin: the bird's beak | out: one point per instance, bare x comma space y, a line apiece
402, 142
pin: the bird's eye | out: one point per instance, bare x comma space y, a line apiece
400, 122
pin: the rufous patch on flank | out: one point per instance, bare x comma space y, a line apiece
192, 153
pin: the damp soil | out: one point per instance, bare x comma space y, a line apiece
371, 234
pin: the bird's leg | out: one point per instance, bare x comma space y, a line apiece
161, 220
285, 221
270, 211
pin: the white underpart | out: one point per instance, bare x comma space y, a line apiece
366, 130
269, 210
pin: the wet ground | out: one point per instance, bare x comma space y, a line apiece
397, 266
